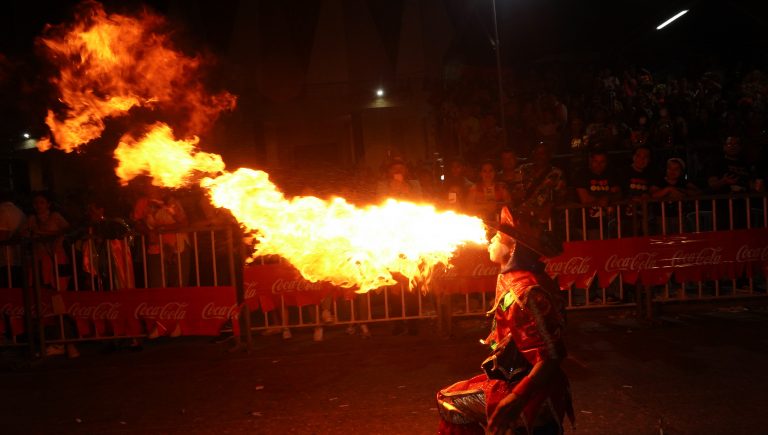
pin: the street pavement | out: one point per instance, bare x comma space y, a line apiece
686, 373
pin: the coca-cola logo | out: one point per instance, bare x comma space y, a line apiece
169, 311
102, 311
485, 270
295, 285
223, 312
703, 257
639, 261
444, 273
12, 310
746, 253
573, 266
251, 289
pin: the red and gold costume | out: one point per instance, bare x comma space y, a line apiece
527, 334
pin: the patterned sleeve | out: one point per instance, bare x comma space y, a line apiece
543, 333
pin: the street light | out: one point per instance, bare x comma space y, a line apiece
26, 135
665, 23
380, 92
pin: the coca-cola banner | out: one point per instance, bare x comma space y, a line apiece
185, 311
654, 260
12, 310
265, 284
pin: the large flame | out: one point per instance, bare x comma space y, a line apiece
326, 240
169, 161
109, 64
338, 242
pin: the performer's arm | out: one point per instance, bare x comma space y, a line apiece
510, 407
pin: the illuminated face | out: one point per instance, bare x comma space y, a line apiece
598, 163
41, 204
674, 170
499, 251
641, 158
487, 172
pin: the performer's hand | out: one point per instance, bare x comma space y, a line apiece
507, 411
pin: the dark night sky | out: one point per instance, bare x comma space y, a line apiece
586, 30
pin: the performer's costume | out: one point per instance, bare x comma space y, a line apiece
528, 322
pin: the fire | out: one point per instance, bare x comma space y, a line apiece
326, 240
332, 240
169, 161
109, 64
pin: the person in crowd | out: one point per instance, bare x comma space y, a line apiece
635, 184
397, 183
508, 174
156, 215
52, 259
523, 389
602, 130
673, 188
104, 252
49, 254
11, 220
486, 197
541, 187
731, 173
597, 189
456, 185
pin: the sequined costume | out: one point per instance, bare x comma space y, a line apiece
527, 329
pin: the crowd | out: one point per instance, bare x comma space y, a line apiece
601, 141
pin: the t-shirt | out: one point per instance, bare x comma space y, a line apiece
634, 183
736, 167
597, 186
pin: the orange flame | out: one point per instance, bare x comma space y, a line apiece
109, 64
325, 240
338, 242
157, 153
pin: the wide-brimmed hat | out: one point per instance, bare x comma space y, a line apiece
532, 236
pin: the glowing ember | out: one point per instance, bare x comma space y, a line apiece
109, 64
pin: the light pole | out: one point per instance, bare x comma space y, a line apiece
497, 47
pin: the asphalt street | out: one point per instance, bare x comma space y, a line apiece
686, 373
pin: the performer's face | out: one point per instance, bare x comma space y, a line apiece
499, 251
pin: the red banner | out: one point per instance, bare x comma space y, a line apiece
202, 310
264, 284
654, 260
188, 310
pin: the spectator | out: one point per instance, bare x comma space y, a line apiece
157, 212
397, 184
51, 257
635, 184
50, 254
730, 173
508, 173
455, 186
602, 131
597, 188
11, 220
673, 187
542, 186
487, 196
105, 256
